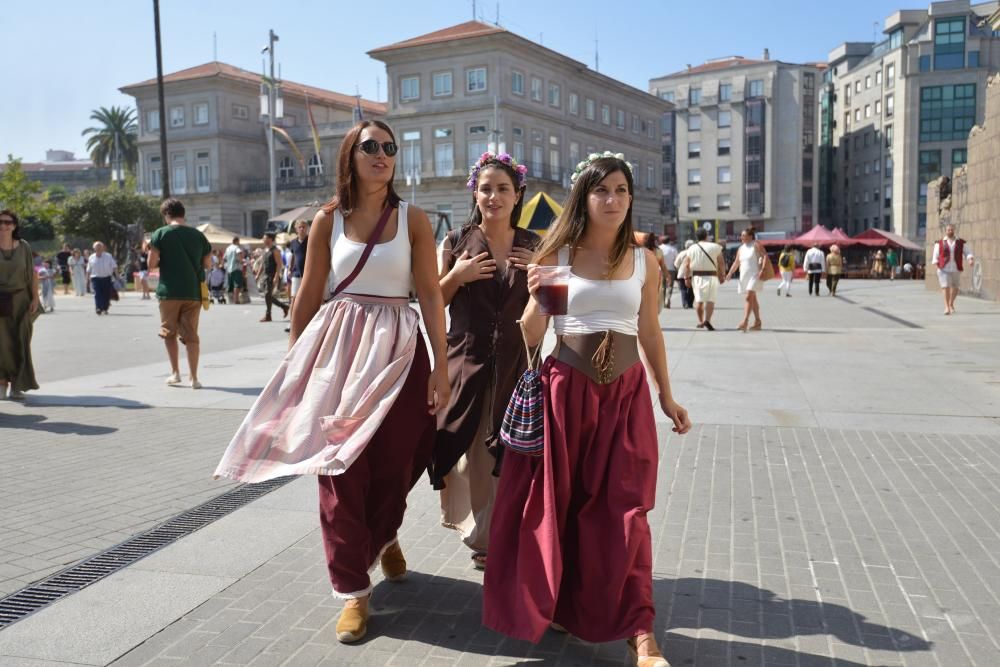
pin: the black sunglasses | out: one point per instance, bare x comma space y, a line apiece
370, 147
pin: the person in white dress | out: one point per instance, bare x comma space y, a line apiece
750, 260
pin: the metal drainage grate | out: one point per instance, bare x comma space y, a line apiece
42, 593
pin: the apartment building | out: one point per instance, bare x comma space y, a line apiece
742, 141
457, 92
896, 115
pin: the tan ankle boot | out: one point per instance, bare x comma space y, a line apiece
353, 622
652, 657
393, 563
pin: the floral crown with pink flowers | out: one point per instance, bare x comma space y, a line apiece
487, 158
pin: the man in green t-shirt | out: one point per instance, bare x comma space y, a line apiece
182, 254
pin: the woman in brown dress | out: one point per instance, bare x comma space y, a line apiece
18, 309
484, 283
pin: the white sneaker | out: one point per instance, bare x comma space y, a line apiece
175, 378
195, 384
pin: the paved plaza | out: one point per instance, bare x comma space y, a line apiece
837, 503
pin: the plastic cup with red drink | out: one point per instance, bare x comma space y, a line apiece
552, 294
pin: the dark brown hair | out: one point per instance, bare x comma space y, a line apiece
17, 222
476, 216
569, 227
172, 208
649, 242
346, 195
752, 231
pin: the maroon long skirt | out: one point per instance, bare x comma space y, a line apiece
570, 542
361, 509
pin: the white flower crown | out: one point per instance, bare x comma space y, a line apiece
583, 164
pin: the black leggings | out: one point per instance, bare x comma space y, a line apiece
814, 281
831, 283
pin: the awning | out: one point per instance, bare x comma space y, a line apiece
218, 236
882, 238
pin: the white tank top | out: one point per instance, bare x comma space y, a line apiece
388, 270
601, 305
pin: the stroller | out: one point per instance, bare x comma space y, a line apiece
217, 285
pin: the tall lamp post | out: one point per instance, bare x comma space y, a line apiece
271, 107
413, 174
164, 162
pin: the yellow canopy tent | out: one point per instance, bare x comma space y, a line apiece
539, 213
220, 238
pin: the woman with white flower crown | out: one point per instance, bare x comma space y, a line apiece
484, 283
570, 542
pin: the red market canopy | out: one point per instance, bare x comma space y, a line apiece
879, 238
817, 235
842, 238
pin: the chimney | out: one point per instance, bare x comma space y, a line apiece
767, 54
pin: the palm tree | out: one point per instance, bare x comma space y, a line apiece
116, 122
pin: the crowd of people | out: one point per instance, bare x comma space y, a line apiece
362, 403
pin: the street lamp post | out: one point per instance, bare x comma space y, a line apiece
413, 174
271, 109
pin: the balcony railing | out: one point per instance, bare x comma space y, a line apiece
187, 188
255, 185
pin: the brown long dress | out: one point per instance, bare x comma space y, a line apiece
485, 359
16, 329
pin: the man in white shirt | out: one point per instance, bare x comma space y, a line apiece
669, 251
687, 294
707, 269
815, 263
948, 257
102, 267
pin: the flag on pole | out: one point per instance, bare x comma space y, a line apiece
291, 144
358, 115
315, 133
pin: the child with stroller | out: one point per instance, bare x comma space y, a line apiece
217, 284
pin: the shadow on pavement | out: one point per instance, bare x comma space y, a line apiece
746, 610
39, 423
85, 402
445, 612
243, 391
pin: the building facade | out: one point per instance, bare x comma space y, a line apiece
896, 115
743, 143
61, 168
217, 144
473, 87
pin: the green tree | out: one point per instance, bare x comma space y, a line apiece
116, 217
24, 196
116, 122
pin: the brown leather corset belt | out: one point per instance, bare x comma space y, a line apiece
602, 357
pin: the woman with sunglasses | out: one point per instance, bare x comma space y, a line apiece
483, 279
19, 306
570, 543
354, 401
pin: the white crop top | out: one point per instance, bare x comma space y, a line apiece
388, 270
599, 305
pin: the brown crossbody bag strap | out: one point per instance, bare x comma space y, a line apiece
375, 236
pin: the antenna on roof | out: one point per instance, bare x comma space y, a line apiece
874, 31
378, 89
497, 22
597, 57
215, 47
473, 10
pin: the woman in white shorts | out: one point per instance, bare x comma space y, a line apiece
750, 261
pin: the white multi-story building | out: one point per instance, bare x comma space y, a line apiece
897, 114
743, 144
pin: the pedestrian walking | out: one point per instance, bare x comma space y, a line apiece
570, 543
78, 272
62, 260
298, 247
86, 269
182, 254
268, 276
892, 262
485, 286
669, 251
47, 283
786, 264
19, 306
815, 266
649, 243
834, 269
707, 269
232, 260
354, 400
750, 258
949, 256
101, 268
687, 292
143, 255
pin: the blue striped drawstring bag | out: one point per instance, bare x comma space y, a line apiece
523, 427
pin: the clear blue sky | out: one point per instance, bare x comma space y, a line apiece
63, 58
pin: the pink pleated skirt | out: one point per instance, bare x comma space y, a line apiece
570, 542
330, 394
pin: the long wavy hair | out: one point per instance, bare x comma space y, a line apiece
476, 216
569, 227
346, 196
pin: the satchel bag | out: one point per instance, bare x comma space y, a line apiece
523, 427
815, 266
767, 271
